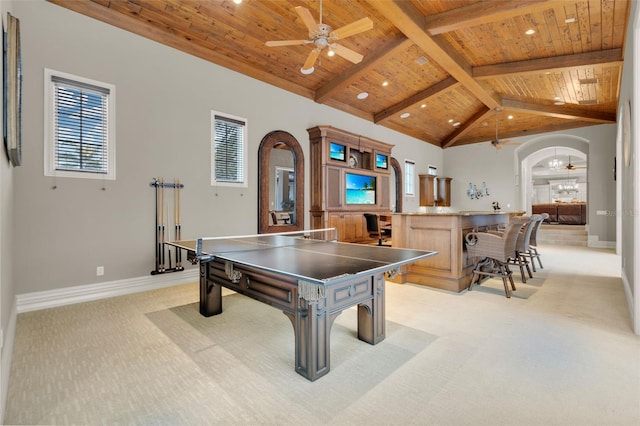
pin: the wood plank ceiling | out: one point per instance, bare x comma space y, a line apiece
455, 66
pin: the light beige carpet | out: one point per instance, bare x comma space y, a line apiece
560, 352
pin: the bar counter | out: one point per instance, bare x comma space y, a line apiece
450, 269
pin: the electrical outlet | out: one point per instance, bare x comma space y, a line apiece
100, 271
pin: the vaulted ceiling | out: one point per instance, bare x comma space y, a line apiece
453, 68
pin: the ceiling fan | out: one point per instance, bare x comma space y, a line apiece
497, 143
323, 36
570, 166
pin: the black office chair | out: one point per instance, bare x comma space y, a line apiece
381, 233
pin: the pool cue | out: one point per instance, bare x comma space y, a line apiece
176, 204
157, 228
161, 246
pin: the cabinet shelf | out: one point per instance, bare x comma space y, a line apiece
331, 170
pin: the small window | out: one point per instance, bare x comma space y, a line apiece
409, 178
79, 127
432, 170
228, 149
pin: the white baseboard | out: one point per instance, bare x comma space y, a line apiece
631, 302
7, 354
594, 241
84, 293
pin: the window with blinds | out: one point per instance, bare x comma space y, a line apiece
229, 147
409, 177
79, 116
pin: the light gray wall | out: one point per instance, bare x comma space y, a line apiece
500, 169
164, 99
628, 175
7, 250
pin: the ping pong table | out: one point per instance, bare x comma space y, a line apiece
311, 280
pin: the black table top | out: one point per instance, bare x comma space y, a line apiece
316, 261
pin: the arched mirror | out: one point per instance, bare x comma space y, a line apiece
281, 179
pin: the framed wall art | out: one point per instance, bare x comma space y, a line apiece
12, 99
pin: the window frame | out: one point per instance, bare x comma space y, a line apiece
50, 167
244, 161
409, 178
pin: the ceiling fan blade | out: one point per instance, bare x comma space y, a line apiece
307, 18
311, 59
286, 42
347, 53
353, 28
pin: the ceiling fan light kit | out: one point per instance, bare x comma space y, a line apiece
322, 36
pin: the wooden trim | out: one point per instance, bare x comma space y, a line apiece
266, 145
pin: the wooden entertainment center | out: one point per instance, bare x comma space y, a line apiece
349, 177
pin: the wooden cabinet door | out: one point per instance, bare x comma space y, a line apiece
444, 191
384, 189
426, 190
333, 188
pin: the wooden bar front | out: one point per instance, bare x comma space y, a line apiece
450, 269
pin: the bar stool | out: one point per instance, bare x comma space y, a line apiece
493, 251
523, 248
533, 242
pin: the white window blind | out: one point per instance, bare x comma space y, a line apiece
409, 177
79, 118
229, 150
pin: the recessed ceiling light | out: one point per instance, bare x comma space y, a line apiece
530, 31
451, 120
404, 115
510, 117
363, 95
423, 106
558, 103
307, 71
237, 1
421, 60
570, 20
456, 124
330, 53
385, 83
557, 98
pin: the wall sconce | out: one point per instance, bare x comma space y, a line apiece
474, 192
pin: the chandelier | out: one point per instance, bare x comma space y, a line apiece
555, 164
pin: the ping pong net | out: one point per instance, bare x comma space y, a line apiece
206, 248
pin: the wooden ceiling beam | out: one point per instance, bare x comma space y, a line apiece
568, 113
411, 23
482, 13
528, 132
556, 63
355, 72
416, 99
478, 117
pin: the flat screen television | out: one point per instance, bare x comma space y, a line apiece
360, 189
381, 161
337, 151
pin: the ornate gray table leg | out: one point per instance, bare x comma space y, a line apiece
371, 315
210, 293
312, 331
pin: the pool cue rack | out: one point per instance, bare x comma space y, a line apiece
163, 253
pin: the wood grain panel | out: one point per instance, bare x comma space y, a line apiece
455, 36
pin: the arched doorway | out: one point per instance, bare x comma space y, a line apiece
542, 149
